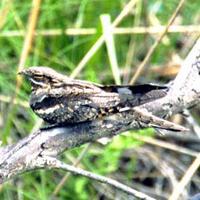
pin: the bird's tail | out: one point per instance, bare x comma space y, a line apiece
156, 122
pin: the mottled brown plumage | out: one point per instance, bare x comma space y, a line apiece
58, 99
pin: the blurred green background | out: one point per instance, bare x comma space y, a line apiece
63, 53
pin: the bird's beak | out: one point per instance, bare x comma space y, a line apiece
22, 72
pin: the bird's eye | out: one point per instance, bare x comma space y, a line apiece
38, 76
37, 80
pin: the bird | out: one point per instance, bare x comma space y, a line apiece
59, 99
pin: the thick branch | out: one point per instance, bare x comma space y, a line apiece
185, 89
25, 155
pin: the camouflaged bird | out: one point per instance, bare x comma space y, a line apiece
58, 99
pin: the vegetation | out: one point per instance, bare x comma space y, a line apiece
63, 52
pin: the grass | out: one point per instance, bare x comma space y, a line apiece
63, 53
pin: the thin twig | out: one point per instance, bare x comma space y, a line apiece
75, 164
165, 145
152, 49
54, 163
185, 179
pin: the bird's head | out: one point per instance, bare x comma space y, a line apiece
42, 77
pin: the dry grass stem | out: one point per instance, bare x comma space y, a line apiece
152, 49
185, 179
166, 145
100, 41
118, 31
109, 40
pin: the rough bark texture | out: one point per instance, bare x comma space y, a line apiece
29, 152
